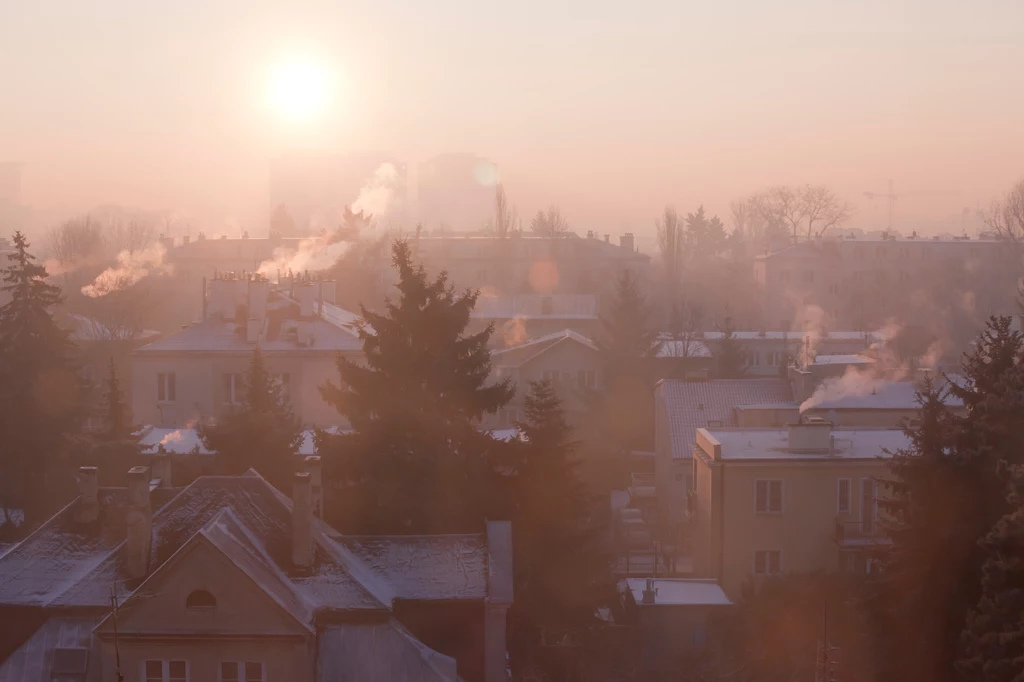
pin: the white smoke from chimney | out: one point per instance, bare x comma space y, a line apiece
314, 253
380, 194
853, 383
131, 267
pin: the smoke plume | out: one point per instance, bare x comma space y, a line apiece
314, 253
131, 267
381, 193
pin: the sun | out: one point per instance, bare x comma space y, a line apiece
299, 88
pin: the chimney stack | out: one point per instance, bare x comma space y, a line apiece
161, 469
649, 592
315, 471
253, 327
87, 509
626, 241
302, 521
307, 295
140, 522
328, 291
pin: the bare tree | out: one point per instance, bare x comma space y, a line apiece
550, 223
670, 245
76, 241
130, 235
685, 330
1006, 219
506, 219
822, 209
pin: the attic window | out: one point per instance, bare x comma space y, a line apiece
69, 664
200, 600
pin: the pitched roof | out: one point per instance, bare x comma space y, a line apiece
214, 335
515, 356
380, 652
32, 660
65, 565
690, 405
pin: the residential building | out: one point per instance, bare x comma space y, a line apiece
674, 616
803, 498
198, 372
528, 263
193, 259
768, 353
683, 407
873, 402
228, 579
853, 281
521, 317
570, 361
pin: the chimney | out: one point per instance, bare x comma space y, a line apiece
205, 306
607, 239
811, 435
306, 296
302, 521
161, 469
221, 296
649, 592
253, 327
87, 509
258, 294
626, 242
140, 522
329, 291
315, 471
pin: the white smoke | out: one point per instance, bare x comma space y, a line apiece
312, 254
853, 383
381, 193
131, 267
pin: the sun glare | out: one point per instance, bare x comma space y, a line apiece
299, 89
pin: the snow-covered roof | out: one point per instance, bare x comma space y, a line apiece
843, 359
90, 329
690, 405
64, 564
515, 356
773, 444
379, 652
679, 592
214, 335
895, 395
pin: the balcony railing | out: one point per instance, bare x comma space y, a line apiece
860, 533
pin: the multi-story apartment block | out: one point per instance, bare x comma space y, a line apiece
804, 498
229, 579
528, 263
855, 281
198, 372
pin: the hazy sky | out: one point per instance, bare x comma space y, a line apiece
609, 109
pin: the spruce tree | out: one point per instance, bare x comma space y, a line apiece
416, 461
117, 425
622, 413
261, 433
992, 643
562, 574
40, 393
730, 357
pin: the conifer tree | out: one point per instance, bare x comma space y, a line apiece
562, 574
416, 460
622, 414
992, 643
261, 433
730, 357
40, 393
117, 425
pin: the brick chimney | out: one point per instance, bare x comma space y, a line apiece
140, 522
307, 297
87, 509
302, 521
315, 471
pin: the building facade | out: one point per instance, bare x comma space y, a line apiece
804, 498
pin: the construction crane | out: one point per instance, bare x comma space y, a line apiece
891, 197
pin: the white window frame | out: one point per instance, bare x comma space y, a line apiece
166, 665
849, 496
240, 667
768, 496
767, 563
165, 381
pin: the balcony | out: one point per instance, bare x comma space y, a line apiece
857, 534
691, 503
641, 486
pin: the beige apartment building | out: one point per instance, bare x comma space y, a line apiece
854, 281
803, 498
199, 371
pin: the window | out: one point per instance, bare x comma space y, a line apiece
567, 378
834, 289
69, 664
784, 276
200, 600
233, 389
769, 497
808, 276
867, 504
843, 496
880, 252
904, 252
166, 671
239, 671
768, 562
858, 251
550, 376
904, 276
166, 389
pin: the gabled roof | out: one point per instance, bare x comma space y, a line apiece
515, 356
690, 405
214, 335
65, 565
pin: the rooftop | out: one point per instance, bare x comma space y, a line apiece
760, 444
678, 592
514, 356
842, 359
895, 395
537, 306
690, 405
